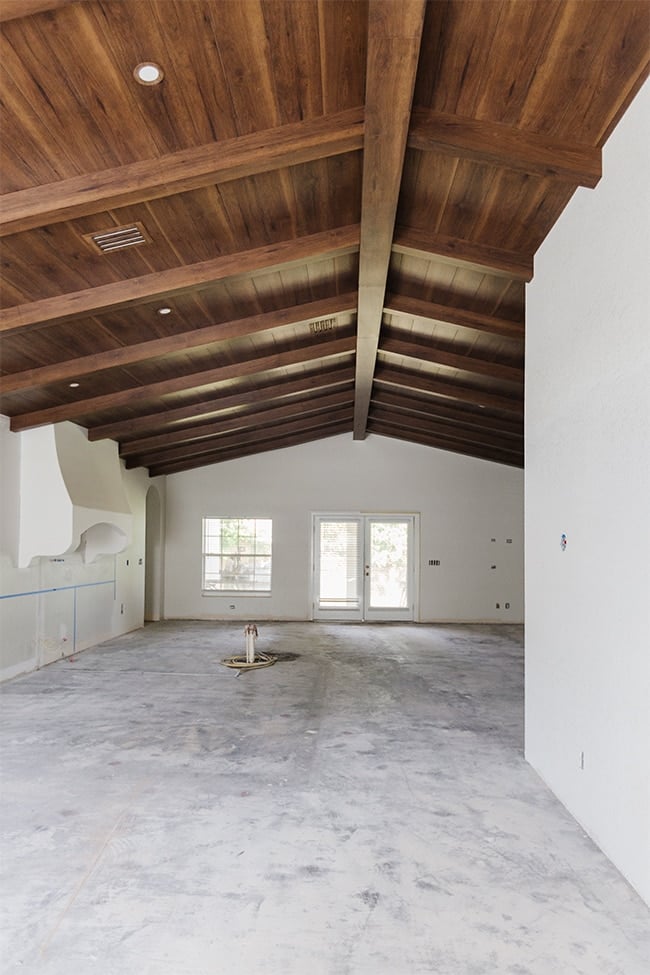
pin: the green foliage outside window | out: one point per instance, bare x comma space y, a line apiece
237, 554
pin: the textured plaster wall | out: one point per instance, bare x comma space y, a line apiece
463, 503
58, 603
588, 477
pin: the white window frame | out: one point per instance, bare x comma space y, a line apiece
205, 553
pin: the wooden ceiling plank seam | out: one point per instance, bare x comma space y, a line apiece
270, 390
429, 311
244, 420
143, 394
506, 146
457, 251
234, 453
239, 437
178, 280
394, 36
420, 349
84, 366
452, 389
182, 171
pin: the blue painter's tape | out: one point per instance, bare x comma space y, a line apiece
39, 592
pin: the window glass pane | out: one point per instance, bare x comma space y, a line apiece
237, 554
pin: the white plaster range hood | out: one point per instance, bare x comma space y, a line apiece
71, 495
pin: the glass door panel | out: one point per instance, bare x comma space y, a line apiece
364, 567
338, 586
389, 568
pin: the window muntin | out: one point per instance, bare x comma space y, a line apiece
237, 555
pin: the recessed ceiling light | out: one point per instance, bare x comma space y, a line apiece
148, 73
164, 311
74, 385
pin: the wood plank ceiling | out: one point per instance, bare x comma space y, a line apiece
339, 203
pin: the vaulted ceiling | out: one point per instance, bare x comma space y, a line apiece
327, 213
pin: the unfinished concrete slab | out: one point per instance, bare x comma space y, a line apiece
361, 808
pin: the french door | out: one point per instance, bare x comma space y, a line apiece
364, 567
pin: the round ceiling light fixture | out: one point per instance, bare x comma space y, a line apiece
74, 385
148, 73
164, 311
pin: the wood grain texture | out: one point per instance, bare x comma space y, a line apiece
145, 394
504, 145
84, 366
182, 171
393, 48
455, 251
403, 305
166, 284
414, 155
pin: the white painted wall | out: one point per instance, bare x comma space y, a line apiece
463, 503
588, 475
59, 603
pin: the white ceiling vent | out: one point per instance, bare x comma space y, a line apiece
117, 238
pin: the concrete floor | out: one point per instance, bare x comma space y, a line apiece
362, 809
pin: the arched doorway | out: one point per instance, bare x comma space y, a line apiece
153, 575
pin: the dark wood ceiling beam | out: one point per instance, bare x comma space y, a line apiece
179, 342
184, 170
438, 428
235, 453
449, 388
318, 379
244, 421
405, 306
13, 9
394, 35
431, 407
241, 438
505, 146
396, 344
453, 250
179, 280
493, 454
143, 394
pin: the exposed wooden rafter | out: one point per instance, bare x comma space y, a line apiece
452, 250
266, 391
455, 444
179, 342
277, 442
187, 169
170, 454
179, 280
341, 203
243, 420
401, 343
417, 380
505, 146
394, 35
192, 381
406, 306
433, 407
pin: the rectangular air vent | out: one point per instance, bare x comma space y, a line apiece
322, 325
115, 239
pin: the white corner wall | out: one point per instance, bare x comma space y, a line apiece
587, 476
61, 603
463, 504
